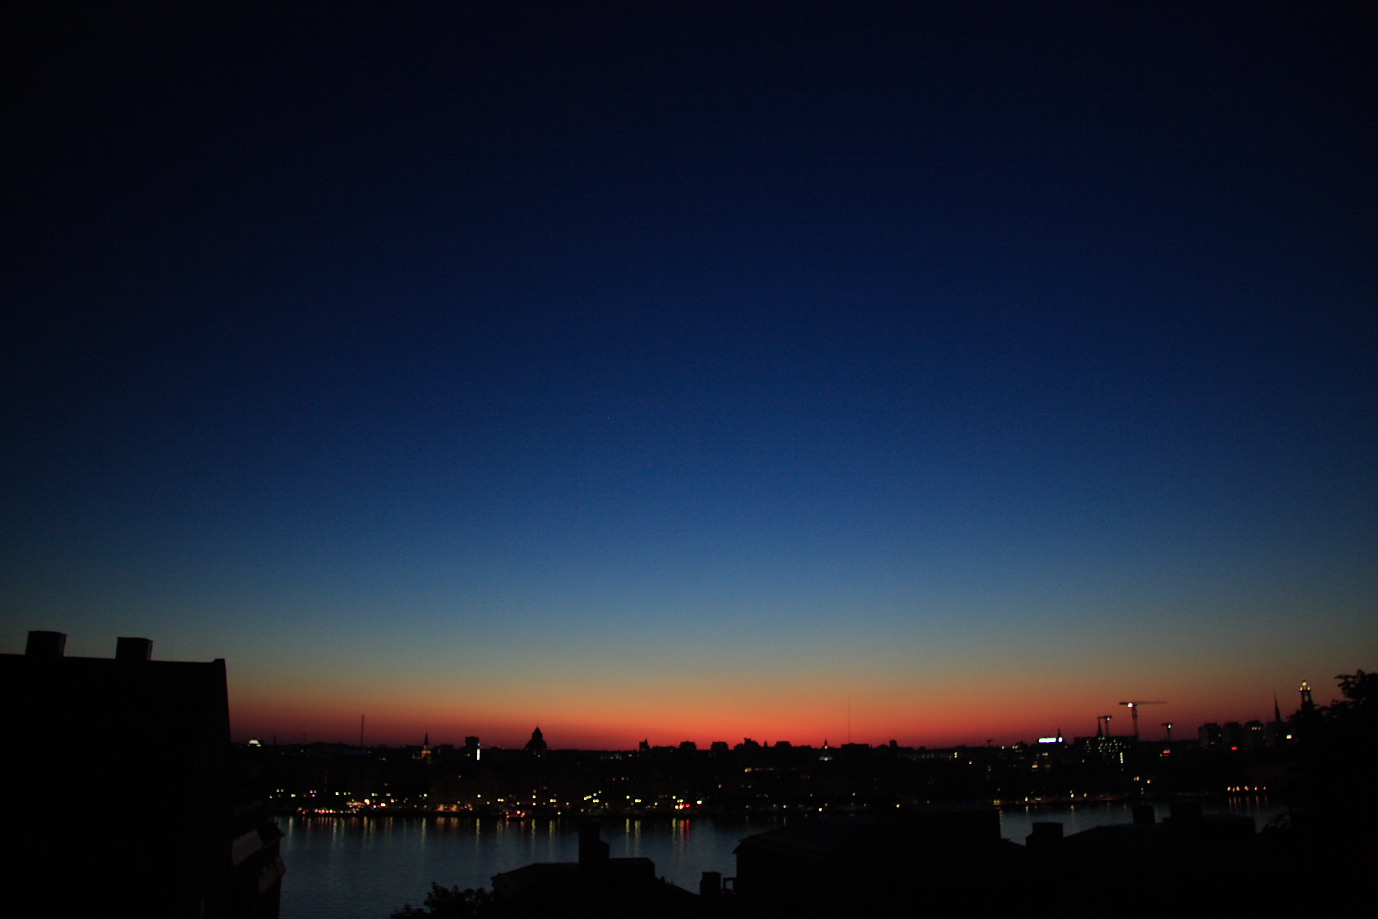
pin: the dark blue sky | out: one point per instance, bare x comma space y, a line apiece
989, 341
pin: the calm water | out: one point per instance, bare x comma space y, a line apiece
364, 869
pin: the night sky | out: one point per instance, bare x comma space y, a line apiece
937, 372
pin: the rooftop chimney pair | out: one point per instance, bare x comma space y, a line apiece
51, 645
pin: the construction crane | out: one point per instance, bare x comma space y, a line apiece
1134, 711
1103, 725
1168, 725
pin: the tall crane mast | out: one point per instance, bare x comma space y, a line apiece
1134, 711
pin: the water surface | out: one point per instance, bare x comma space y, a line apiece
355, 868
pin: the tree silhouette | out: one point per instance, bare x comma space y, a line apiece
449, 903
1334, 806
1358, 710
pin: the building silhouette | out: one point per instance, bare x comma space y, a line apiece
536, 746
595, 885
125, 798
924, 860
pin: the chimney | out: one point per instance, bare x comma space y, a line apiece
48, 645
1046, 834
593, 851
1185, 814
133, 649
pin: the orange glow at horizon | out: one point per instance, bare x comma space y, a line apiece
568, 724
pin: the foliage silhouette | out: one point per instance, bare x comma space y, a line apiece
449, 903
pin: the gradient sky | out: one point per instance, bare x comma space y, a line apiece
941, 372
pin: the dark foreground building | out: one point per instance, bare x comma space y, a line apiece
596, 885
951, 862
928, 861
122, 795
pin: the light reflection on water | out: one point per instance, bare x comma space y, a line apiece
365, 868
